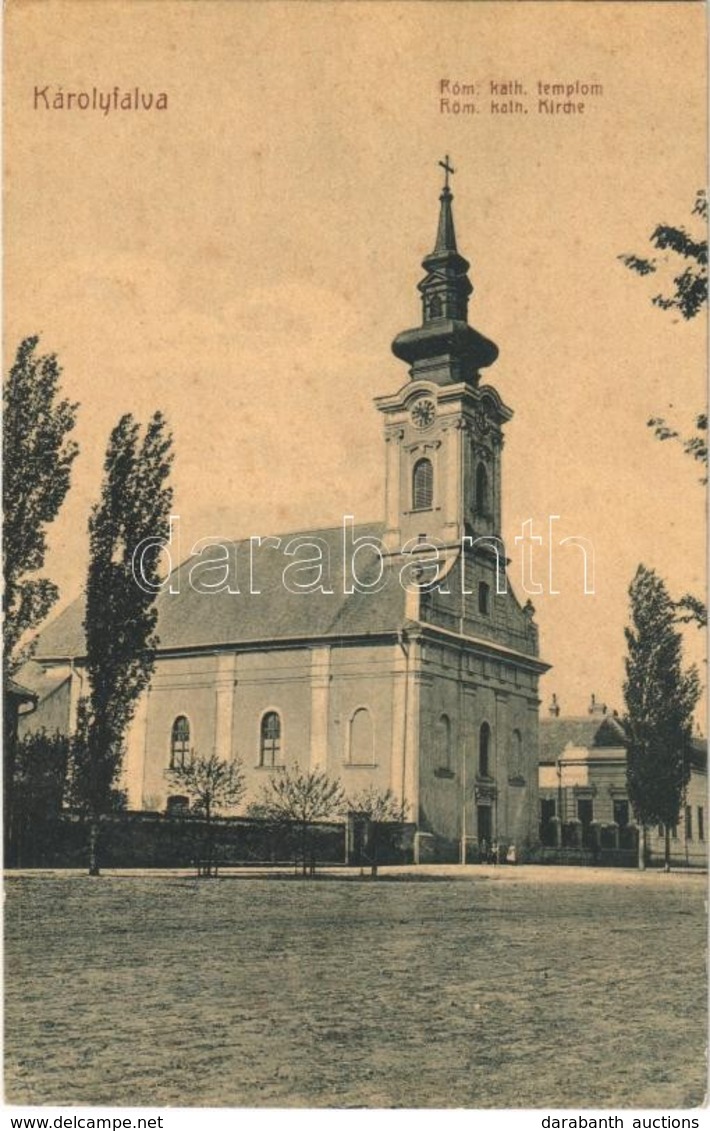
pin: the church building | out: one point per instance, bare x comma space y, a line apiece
407, 664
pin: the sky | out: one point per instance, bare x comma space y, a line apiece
243, 259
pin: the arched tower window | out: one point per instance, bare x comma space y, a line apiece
180, 743
484, 750
362, 738
423, 485
443, 742
482, 493
436, 307
270, 739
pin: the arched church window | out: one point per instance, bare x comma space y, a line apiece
484, 751
180, 743
270, 742
362, 738
482, 500
436, 307
423, 485
443, 742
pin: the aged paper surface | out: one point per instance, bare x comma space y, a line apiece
219, 210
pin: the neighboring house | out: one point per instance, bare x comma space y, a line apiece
433, 695
18, 702
50, 689
583, 778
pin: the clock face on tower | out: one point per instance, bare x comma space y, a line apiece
423, 413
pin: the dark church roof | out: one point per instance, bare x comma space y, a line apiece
192, 618
585, 732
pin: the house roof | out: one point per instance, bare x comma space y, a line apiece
586, 732
19, 692
274, 609
42, 682
699, 752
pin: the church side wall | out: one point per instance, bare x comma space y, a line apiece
360, 736
271, 681
462, 691
334, 702
181, 686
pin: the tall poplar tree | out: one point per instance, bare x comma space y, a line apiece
120, 616
36, 471
660, 698
37, 461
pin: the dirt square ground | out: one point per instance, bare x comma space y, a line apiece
478, 987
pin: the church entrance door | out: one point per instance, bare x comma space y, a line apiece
485, 824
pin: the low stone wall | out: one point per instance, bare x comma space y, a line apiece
581, 857
155, 840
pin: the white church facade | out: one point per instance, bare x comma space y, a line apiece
376, 675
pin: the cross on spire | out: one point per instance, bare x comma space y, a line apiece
447, 169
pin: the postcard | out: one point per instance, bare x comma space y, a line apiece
354, 501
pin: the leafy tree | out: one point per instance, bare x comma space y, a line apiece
120, 616
695, 446
690, 256
212, 785
380, 807
36, 472
302, 798
689, 296
660, 698
38, 791
691, 610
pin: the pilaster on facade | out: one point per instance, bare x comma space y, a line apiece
393, 536
78, 689
416, 679
225, 683
467, 710
453, 506
133, 769
400, 689
408, 679
320, 702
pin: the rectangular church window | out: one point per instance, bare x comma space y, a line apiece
484, 593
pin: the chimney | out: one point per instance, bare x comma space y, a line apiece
596, 708
554, 707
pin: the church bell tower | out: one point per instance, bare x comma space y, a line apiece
443, 429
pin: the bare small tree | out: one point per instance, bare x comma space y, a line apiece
379, 807
302, 798
212, 786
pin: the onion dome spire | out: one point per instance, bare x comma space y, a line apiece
445, 348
